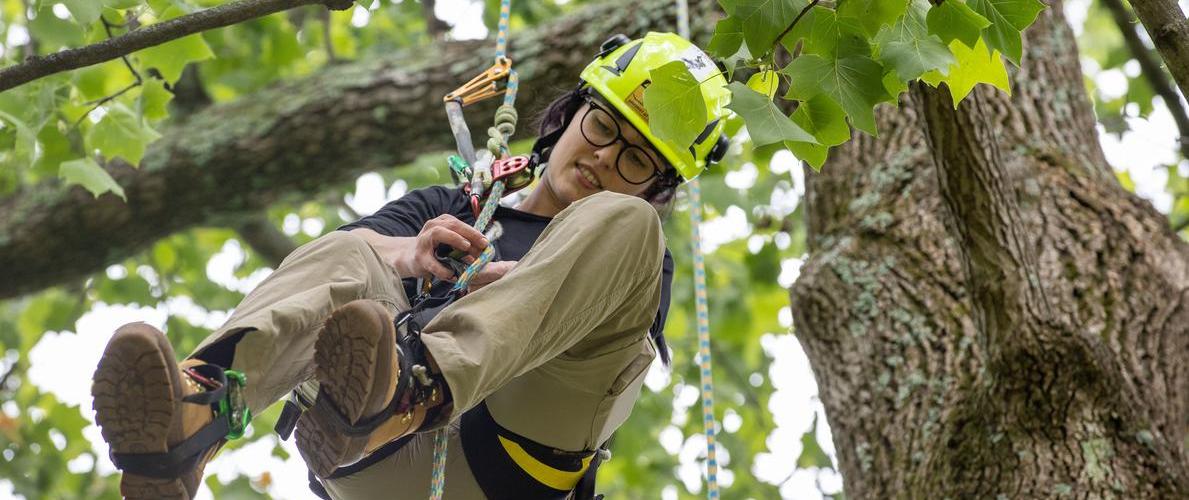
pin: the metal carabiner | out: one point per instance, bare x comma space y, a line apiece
483, 85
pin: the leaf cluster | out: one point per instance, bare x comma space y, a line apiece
843, 60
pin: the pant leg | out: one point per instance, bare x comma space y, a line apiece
589, 286
405, 474
284, 313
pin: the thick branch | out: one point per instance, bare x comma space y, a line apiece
1150, 67
1169, 30
155, 34
984, 212
296, 139
265, 239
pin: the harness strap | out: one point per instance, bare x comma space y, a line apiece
179, 459
516, 467
182, 458
398, 404
585, 490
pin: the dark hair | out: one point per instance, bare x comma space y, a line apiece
556, 117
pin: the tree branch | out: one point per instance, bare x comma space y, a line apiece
1169, 31
984, 215
295, 139
793, 24
155, 34
265, 239
1150, 67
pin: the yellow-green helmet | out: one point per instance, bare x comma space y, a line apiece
620, 74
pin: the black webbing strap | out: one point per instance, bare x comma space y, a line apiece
287, 421
182, 458
316, 486
585, 489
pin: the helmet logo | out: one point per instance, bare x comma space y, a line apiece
635, 100
695, 63
698, 62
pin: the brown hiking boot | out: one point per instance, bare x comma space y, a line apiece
360, 367
156, 417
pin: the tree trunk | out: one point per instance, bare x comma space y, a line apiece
989, 314
298, 138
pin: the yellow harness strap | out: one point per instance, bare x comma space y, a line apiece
549, 476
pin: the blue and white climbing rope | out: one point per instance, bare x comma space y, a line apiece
497, 144
701, 306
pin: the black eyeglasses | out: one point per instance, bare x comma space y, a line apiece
601, 129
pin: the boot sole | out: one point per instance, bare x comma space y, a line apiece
352, 367
135, 390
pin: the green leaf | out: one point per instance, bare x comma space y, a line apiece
894, 85
733, 125
731, 62
765, 20
154, 98
765, 122
803, 30
854, 82
84, 12
676, 110
52, 33
971, 67
908, 47
728, 37
88, 174
121, 133
1008, 18
764, 82
172, 57
833, 37
872, 15
101, 80
55, 149
823, 118
25, 136
954, 20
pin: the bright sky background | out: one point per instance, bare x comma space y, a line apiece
62, 363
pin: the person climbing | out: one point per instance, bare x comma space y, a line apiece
531, 372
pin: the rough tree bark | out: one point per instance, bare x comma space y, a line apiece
988, 313
1166, 24
295, 139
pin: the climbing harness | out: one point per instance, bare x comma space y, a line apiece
223, 392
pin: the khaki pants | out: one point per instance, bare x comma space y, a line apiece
558, 347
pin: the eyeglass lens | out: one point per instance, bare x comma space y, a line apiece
601, 129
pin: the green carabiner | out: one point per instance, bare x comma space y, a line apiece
233, 406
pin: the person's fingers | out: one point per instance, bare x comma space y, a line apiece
448, 236
493, 271
477, 240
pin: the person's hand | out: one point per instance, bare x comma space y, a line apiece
491, 272
413, 257
447, 230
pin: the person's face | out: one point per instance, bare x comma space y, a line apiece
583, 161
